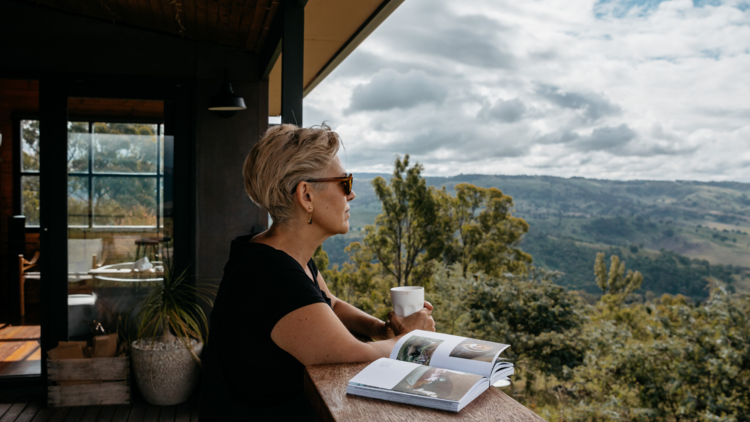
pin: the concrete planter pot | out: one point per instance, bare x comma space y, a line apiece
166, 372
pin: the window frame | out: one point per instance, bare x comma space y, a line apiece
159, 175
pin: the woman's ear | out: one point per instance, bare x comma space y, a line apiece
304, 195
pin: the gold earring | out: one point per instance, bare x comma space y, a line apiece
309, 218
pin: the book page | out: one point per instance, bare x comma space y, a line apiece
383, 373
417, 379
448, 352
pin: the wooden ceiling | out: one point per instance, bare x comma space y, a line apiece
333, 28
103, 107
241, 24
22, 96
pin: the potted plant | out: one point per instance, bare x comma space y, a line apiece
167, 365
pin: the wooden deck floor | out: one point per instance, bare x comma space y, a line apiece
35, 411
20, 353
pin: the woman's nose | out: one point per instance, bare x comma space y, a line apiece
351, 196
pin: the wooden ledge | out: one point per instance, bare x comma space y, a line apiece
325, 387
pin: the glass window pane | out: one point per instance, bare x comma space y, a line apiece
30, 145
161, 149
78, 127
161, 200
78, 147
125, 201
30, 199
124, 148
78, 201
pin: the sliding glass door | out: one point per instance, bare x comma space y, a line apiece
119, 236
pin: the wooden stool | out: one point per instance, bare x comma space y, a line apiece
147, 245
23, 266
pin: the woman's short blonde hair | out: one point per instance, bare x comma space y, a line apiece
285, 156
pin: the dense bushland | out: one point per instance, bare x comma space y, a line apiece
667, 358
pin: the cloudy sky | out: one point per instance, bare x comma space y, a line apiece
641, 89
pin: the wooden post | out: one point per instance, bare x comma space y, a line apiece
53, 211
292, 64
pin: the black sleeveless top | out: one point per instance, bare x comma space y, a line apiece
245, 374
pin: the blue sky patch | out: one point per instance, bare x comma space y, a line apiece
701, 3
621, 8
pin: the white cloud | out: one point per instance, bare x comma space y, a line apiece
607, 89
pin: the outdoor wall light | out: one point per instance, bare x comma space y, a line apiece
226, 103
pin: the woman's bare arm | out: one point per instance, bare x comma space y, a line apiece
315, 335
355, 320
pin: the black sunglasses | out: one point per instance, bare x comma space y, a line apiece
346, 181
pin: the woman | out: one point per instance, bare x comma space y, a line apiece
274, 313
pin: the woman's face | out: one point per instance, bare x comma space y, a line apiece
331, 209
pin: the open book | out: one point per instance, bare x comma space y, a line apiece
433, 370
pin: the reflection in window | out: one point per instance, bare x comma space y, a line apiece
125, 148
161, 149
125, 201
115, 173
30, 199
30, 171
78, 147
78, 201
30, 145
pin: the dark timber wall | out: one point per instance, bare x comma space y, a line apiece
79, 55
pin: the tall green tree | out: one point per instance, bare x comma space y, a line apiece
480, 233
407, 227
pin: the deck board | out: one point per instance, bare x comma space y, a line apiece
182, 413
91, 413
136, 412
4, 408
152, 413
194, 411
7, 348
167, 414
20, 332
20, 353
59, 415
13, 412
122, 412
36, 411
31, 410
106, 414
43, 415
75, 414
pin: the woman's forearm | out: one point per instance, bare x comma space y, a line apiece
358, 321
382, 349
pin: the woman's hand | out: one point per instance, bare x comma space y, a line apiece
420, 320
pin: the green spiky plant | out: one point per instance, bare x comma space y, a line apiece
173, 305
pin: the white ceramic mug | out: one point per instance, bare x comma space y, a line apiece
407, 300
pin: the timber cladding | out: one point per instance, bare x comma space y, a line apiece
241, 24
88, 382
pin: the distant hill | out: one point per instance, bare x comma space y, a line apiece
641, 220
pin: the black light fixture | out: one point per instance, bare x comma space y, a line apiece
226, 103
